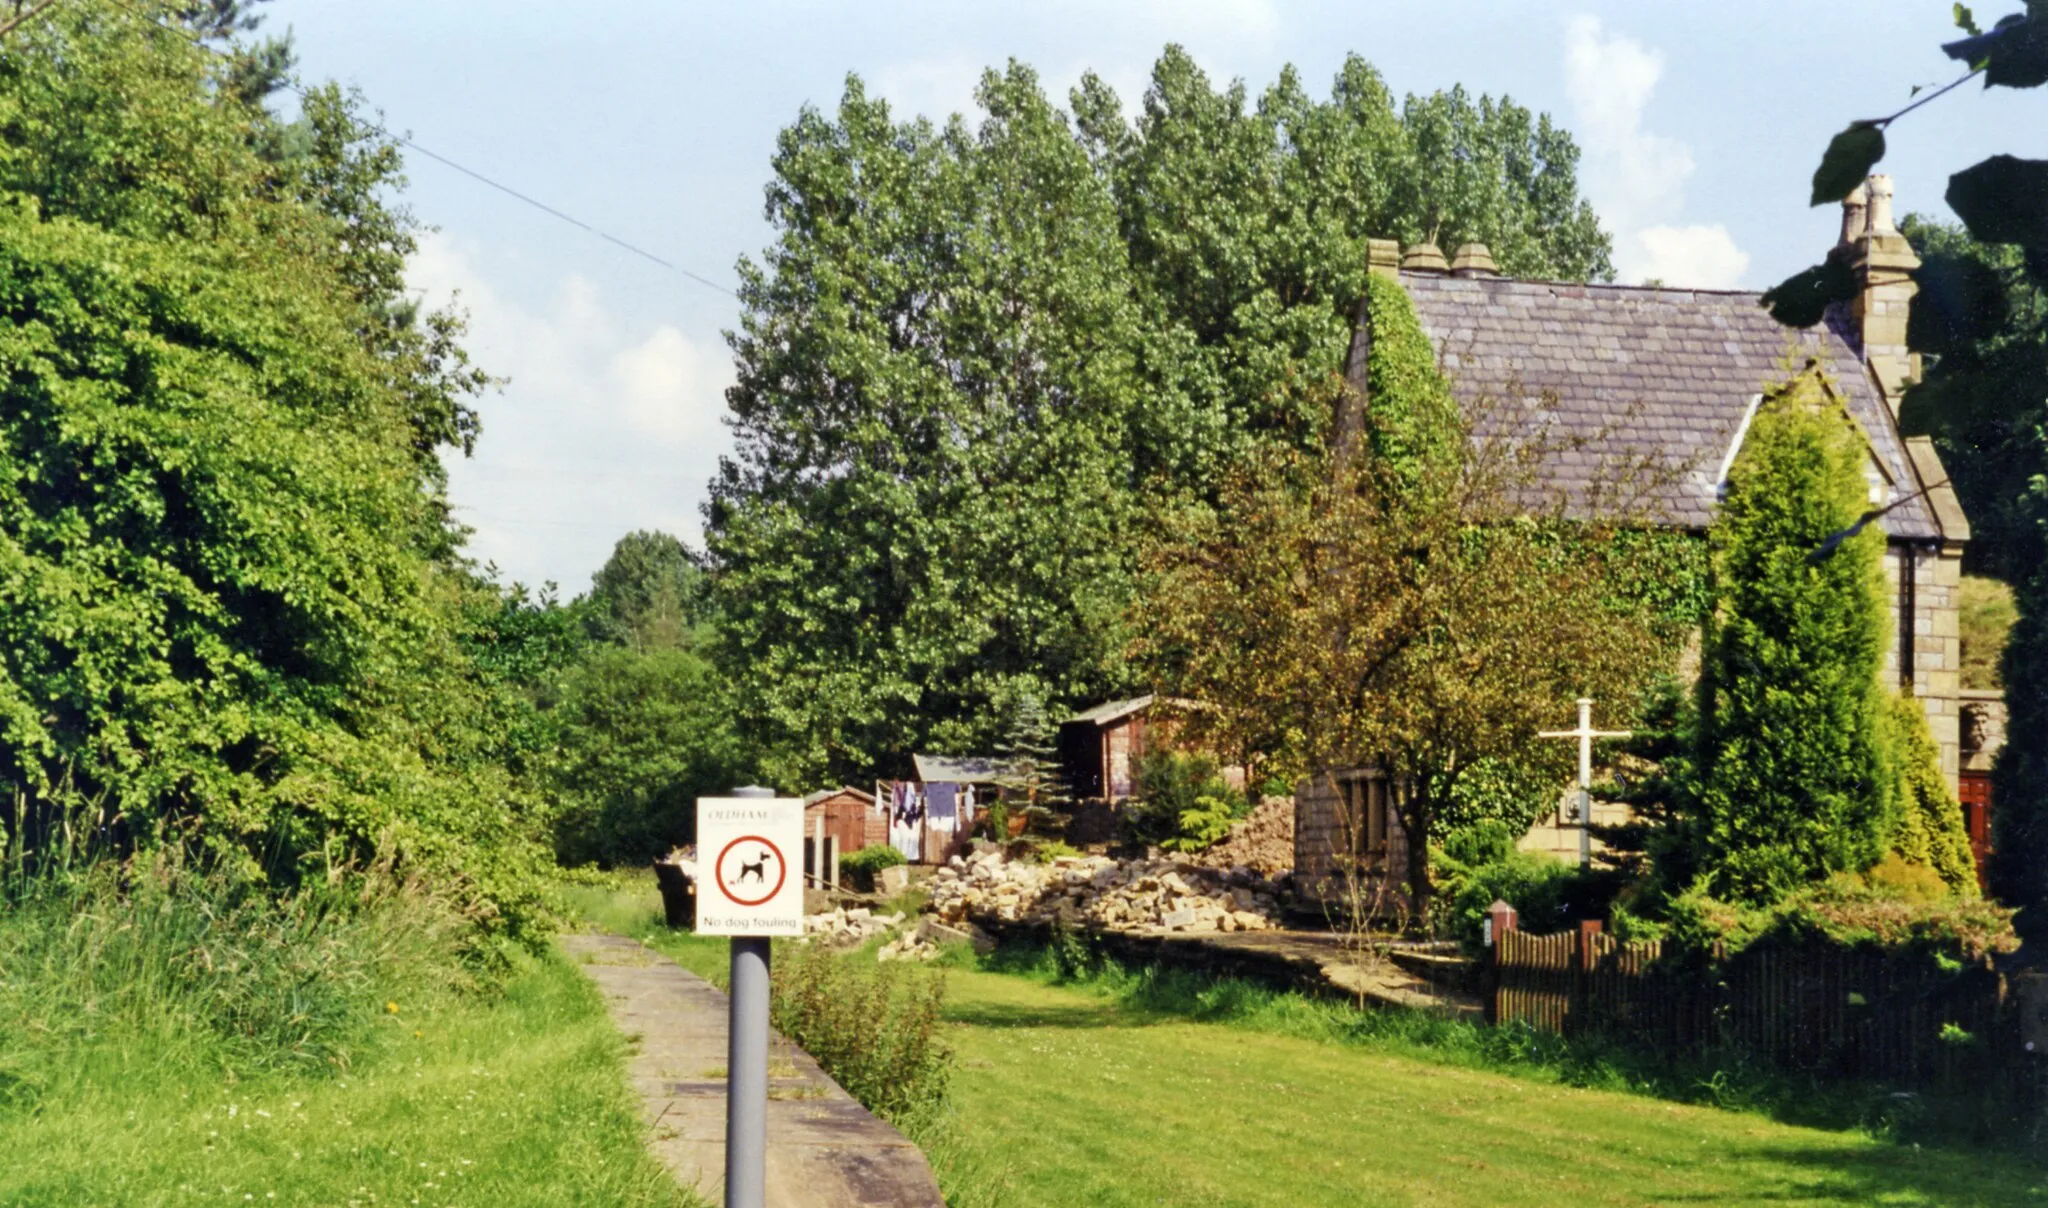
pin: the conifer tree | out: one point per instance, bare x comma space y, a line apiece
1030, 755
1929, 830
1793, 773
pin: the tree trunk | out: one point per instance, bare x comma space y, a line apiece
1416, 813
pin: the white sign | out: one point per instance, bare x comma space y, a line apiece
750, 876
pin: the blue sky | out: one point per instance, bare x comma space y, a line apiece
1700, 124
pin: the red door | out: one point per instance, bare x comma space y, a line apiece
1975, 791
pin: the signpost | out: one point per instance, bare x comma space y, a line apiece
745, 845
1585, 734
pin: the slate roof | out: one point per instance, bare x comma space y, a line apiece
1667, 373
964, 769
844, 790
1109, 711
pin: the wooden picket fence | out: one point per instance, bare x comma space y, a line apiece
1827, 1009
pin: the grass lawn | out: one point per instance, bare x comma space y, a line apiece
1064, 1098
512, 1098
1067, 1096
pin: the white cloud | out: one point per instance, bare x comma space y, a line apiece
1636, 177
1704, 257
605, 426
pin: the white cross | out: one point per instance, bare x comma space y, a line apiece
1585, 734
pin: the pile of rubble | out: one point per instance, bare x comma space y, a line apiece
908, 948
1096, 891
843, 928
1262, 841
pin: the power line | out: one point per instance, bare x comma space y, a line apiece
472, 173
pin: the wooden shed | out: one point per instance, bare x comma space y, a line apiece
1101, 748
850, 817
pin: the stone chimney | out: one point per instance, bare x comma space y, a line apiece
1883, 263
1473, 260
1425, 258
1383, 258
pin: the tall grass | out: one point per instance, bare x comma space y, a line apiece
111, 968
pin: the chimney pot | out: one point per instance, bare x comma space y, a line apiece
1855, 209
1473, 260
1880, 189
1425, 258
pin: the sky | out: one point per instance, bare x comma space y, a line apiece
654, 120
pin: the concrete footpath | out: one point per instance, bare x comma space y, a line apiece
824, 1149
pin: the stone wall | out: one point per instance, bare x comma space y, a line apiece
1934, 634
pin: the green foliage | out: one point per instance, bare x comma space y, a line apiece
873, 1027
1929, 830
1479, 865
643, 733
1980, 398
651, 592
1182, 802
1410, 415
1204, 826
1541, 888
1802, 299
1502, 791
199, 1033
1988, 612
1889, 907
977, 351
234, 615
2003, 200
2018, 872
1792, 772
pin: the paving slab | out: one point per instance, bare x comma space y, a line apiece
824, 1148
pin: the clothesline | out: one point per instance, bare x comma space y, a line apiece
925, 817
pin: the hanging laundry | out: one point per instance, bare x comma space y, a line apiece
940, 805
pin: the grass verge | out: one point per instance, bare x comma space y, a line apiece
195, 1046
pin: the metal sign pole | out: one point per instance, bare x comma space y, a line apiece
746, 1067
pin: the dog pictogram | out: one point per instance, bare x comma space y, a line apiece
733, 870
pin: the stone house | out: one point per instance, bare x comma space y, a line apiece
1674, 376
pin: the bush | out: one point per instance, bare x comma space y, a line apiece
862, 866
1203, 826
1895, 905
873, 1027
1051, 849
1479, 865
1183, 802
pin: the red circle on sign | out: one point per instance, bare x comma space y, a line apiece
781, 871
